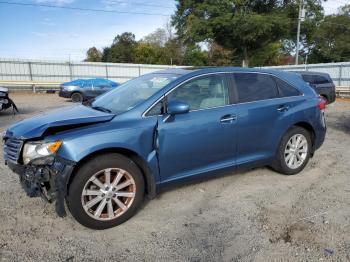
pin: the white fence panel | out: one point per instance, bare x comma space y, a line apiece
339, 72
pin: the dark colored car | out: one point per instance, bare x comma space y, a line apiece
322, 83
84, 89
5, 101
161, 129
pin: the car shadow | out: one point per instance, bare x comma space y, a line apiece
190, 182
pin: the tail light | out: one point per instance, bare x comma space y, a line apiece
322, 104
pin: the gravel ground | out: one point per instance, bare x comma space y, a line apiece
253, 216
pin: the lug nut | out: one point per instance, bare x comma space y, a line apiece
103, 195
113, 189
107, 188
115, 195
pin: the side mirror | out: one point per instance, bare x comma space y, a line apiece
177, 107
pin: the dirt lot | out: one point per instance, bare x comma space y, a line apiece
254, 216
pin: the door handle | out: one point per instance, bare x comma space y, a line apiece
228, 118
283, 108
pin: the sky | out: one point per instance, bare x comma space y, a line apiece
52, 33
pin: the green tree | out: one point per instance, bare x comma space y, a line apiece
194, 56
243, 26
146, 53
331, 41
93, 55
219, 56
313, 16
121, 50
158, 37
271, 54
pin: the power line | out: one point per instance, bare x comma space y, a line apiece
80, 8
115, 2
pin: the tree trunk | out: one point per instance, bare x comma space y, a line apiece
245, 61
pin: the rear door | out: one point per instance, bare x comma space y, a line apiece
88, 88
101, 86
262, 114
203, 139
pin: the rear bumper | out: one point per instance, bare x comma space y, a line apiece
65, 94
320, 132
47, 181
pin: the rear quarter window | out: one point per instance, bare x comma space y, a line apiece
286, 89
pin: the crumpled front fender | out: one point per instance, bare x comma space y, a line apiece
47, 181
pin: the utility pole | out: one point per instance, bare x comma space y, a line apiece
300, 17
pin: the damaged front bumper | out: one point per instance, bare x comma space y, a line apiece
47, 180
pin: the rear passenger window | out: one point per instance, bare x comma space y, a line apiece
286, 89
321, 80
316, 79
254, 87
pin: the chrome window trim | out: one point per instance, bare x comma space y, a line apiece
214, 73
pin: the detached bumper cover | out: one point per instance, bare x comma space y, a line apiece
48, 181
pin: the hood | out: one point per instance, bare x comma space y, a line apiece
69, 116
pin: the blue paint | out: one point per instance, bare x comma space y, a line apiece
192, 144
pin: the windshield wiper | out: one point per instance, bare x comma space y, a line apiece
100, 108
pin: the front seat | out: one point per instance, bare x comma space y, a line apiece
217, 96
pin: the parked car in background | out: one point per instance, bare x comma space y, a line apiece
5, 101
84, 89
322, 83
160, 129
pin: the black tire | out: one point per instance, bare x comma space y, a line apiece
280, 164
77, 97
98, 163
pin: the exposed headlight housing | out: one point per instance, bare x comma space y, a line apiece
39, 149
67, 88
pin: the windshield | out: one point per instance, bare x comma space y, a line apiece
130, 94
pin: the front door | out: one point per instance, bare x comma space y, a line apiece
203, 139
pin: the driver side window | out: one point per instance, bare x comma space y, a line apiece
203, 92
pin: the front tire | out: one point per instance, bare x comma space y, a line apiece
106, 191
77, 97
294, 151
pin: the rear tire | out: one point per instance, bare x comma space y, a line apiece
106, 191
294, 151
77, 97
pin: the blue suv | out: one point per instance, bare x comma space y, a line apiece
163, 128
84, 89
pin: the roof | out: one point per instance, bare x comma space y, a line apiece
203, 70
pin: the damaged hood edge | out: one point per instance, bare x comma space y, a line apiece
69, 116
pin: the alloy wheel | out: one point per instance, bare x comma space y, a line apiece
296, 151
108, 194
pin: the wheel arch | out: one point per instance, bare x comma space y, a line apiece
150, 183
77, 92
307, 126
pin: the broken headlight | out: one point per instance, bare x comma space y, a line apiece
39, 149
